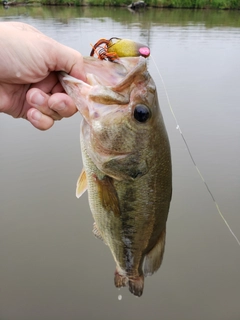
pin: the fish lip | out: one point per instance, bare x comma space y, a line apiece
61, 75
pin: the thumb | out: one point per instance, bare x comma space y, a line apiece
70, 61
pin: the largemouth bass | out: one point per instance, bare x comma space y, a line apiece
127, 164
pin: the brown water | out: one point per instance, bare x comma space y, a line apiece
51, 266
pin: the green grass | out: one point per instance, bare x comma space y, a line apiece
115, 3
196, 4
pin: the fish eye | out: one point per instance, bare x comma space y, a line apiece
141, 113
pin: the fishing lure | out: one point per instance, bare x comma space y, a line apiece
115, 48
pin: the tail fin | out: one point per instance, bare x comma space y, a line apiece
120, 280
136, 285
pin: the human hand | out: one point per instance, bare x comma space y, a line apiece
29, 85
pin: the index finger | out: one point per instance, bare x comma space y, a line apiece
62, 104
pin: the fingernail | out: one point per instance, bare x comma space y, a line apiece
36, 115
37, 99
58, 106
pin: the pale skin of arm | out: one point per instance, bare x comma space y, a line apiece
29, 86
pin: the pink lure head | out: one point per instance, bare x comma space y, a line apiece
144, 51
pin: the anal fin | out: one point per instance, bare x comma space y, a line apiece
154, 258
96, 232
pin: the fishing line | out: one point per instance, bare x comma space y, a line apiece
191, 156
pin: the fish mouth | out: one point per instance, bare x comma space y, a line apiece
107, 83
61, 75
111, 74
78, 90
65, 78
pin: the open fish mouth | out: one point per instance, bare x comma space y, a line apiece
105, 73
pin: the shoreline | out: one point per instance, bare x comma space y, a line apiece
154, 4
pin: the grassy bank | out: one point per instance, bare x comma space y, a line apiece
193, 4
188, 4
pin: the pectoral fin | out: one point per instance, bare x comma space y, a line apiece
81, 184
154, 258
108, 195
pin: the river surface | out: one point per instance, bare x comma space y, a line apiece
51, 266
